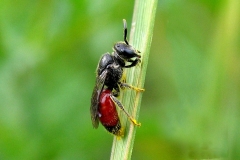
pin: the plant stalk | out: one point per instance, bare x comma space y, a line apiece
140, 38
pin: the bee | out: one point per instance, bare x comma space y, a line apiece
109, 83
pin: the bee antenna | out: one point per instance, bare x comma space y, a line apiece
125, 30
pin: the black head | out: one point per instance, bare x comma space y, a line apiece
123, 49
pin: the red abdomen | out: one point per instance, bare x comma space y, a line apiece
108, 115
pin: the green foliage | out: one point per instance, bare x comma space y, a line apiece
48, 55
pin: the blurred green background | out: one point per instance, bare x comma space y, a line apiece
48, 55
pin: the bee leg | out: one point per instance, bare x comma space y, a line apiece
125, 85
116, 91
119, 104
133, 63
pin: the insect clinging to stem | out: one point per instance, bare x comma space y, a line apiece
109, 83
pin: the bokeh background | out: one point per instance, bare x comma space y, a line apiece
48, 55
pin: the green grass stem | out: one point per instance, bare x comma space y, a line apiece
140, 38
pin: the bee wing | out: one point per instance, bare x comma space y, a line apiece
95, 98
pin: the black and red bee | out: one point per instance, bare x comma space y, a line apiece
108, 85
